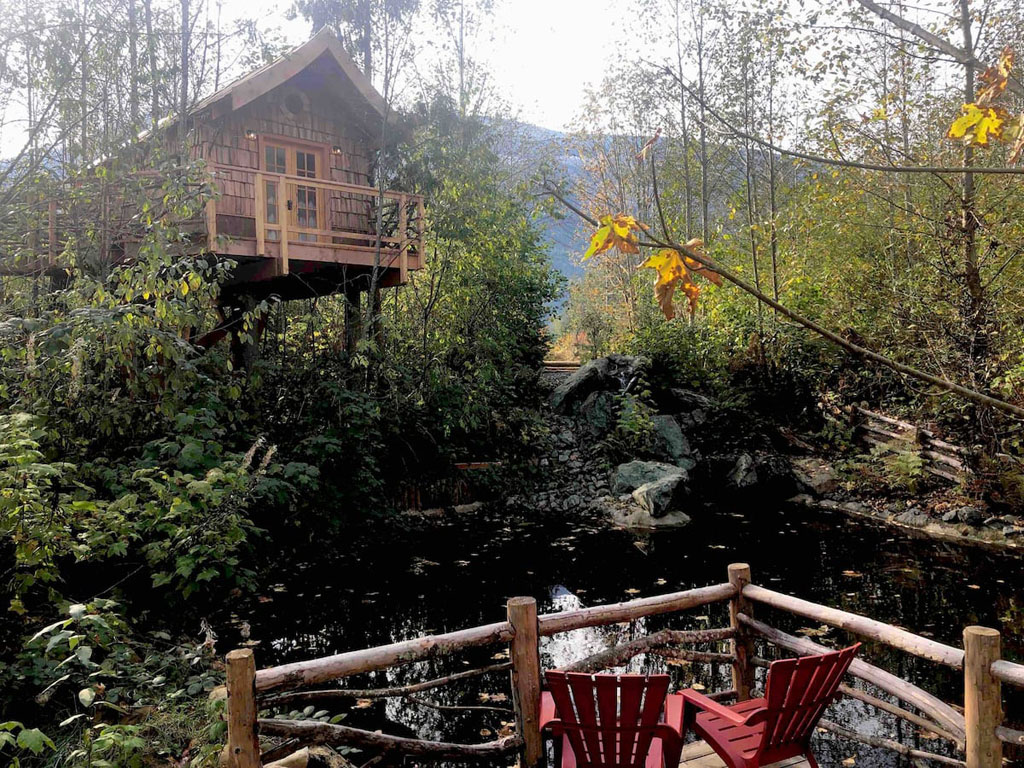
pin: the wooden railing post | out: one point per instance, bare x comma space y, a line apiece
743, 643
403, 240
283, 218
211, 224
983, 703
525, 653
261, 215
243, 742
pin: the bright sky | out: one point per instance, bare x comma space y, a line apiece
542, 55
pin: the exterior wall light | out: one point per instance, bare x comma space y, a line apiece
250, 134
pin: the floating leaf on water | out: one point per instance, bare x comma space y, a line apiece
697, 687
363, 704
632, 591
853, 574
973, 586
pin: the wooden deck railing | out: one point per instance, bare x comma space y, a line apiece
978, 734
406, 214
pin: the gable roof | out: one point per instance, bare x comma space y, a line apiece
252, 86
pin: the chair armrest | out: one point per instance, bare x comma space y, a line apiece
700, 701
548, 713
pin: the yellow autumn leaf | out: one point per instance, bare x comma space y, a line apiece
675, 271
977, 124
617, 231
184, 288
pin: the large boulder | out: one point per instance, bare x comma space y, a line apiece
815, 475
659, 497
671, 443
614, 373
629, 476
597, 414
691, 408
628, 514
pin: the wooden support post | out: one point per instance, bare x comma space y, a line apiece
211, 224
421, 225
52, 234
282, 214
743, 642
261, 215
403, 240
525, 652
243, 742
983, 703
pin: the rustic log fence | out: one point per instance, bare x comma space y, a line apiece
938, 457
977, 733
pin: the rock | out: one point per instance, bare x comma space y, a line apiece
856, 507
970, 515
950, 517
691, 408
628, 514
614, 373
659, 497
597, 414
743, 473
671, 443
816, 476
914, 517
631, 475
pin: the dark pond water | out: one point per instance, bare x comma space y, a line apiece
458, 572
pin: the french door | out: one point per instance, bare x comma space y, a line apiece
289, 202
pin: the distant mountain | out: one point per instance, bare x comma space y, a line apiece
529, 149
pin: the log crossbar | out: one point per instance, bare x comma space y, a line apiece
978, 732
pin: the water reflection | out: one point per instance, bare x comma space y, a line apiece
398, 583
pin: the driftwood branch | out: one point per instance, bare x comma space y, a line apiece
310, 732
895, 746
935, 708
458, 707
620, 654
333, 694
685, 654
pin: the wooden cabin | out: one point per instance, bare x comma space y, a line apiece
290, 149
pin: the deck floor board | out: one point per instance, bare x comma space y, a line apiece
699, 754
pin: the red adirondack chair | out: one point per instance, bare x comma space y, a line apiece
761, 731
613, 721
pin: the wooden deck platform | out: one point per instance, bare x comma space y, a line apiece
699, 754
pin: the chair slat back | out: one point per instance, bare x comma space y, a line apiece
609, 719
797, 692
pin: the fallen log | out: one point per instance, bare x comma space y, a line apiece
333, 694
859, 625
895, 746
935, 708
312, 732
553, 623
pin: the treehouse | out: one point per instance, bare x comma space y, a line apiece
290, 150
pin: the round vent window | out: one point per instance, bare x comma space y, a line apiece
294, 103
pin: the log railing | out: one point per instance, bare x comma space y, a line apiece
938, 457
978, 733
405, 233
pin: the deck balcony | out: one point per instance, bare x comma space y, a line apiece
277, 224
